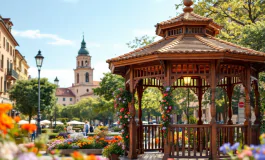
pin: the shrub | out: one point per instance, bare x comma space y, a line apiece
116, 129
59, 128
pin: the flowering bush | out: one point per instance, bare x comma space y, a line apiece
122, 98
101, 131
9, 131
247, 153
115, 146
166, 106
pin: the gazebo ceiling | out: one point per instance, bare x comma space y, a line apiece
187, 37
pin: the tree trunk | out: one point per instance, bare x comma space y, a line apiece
149, 117
30, 116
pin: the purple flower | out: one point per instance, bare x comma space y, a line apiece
164, 128
225, 148
235, 146
27, 156
168, 89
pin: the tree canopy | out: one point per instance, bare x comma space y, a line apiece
25, 93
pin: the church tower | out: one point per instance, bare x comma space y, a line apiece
83, 73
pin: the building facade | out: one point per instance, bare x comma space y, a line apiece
21, 66
83, 81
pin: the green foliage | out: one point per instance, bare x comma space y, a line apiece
140, 42
25, 93
253, 36
109, 83
116, 129
59, 128
233, 15
192, 120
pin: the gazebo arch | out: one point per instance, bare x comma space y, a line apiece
189, 49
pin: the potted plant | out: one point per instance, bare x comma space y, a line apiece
113, 150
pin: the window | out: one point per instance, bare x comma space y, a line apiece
2, 62
87, 77
77, 78
85, 63
82, 63
71, 99
64, 105
78, 64
63, 99
87, 90
77, 91
1, 84
11, 50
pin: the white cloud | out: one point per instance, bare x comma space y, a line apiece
65, 76
36, 34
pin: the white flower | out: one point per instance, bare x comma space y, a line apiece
8, 150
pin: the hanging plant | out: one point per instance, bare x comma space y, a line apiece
122, 98
166, 106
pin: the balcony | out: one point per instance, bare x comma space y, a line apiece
12, 74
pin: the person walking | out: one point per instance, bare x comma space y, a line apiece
86, 128
91, 128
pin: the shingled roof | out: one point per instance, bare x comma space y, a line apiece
64, 92
190, 45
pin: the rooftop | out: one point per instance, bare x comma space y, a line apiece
64, 92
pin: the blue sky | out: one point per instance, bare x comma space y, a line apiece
56, 26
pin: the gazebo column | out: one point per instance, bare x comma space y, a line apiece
229, 94
166, 141
257, 103
247, 122
140, 122
132, 126
213, 111
200, 102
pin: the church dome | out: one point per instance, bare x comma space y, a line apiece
83, 50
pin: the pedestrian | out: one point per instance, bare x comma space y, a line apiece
91, 128
86, 128
33, 135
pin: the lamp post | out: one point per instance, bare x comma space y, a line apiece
39, 59
56, 82
187, 83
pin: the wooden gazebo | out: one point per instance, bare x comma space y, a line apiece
189, 49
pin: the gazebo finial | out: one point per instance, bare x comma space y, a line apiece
187, 3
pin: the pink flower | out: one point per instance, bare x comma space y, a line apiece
122, 109
170, 107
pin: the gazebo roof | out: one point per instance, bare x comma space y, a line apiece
185, 37
188, 45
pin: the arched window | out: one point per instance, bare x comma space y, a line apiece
78, 64
82, 63
85, 63
77, 78
87, 77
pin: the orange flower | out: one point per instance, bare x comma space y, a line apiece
35, 150
29, 127
6, 122
17, 119
5, 107
77, 155
91, 157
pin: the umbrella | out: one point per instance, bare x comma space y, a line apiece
44, 122
58, 122
75, 122
23, 122
27, 122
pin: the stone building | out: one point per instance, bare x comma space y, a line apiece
9, 58
83, 84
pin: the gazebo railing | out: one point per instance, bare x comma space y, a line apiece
231, 134
152, 138
189, 141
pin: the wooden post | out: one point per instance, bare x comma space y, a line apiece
132, 126
140, 123
199, 112
229, 94
213, 111
247, 122
167, 140
257, 103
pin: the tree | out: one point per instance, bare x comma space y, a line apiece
140, 42
25, 93
253, 36
109, 83
233, 15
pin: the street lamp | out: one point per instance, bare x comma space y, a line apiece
187, 81
56, 82
39, 59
